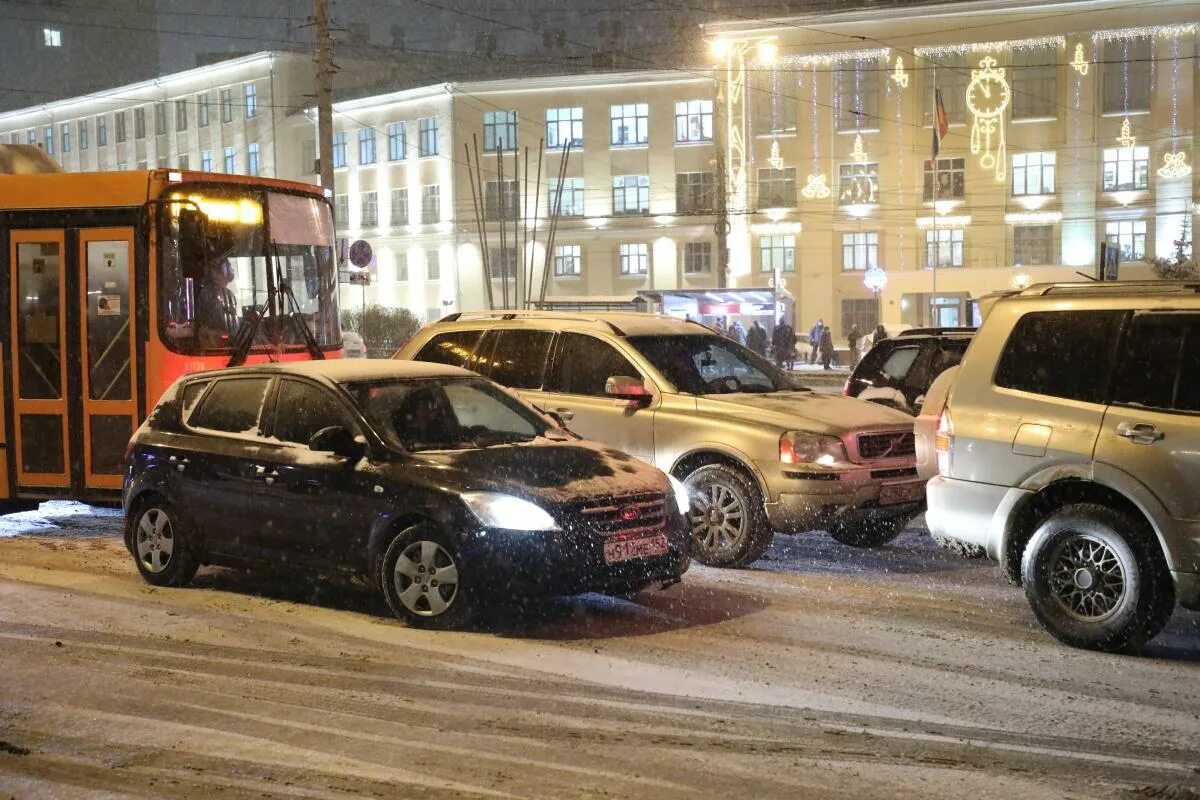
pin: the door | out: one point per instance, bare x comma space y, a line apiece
109, 361
38, 336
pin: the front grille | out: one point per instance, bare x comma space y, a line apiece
878, 446
626, 516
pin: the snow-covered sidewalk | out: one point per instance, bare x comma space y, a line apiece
63, 517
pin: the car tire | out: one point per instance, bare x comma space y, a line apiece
424, 581
729, 525
1095, 578
161, 543
868, 532
959, 548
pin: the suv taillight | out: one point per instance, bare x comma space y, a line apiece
944, 441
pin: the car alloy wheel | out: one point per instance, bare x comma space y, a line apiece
1087, 578
719, 517
426, 578
155, 541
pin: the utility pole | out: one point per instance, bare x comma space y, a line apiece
722, 226
323, 59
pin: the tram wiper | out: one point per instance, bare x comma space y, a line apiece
279, 292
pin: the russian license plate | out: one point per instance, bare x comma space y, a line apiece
629, 549
891, 494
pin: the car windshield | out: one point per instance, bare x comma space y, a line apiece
711, 365
426, 414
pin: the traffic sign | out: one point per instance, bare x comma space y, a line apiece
360, 254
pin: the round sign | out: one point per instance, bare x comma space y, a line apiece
360, 253
875, 279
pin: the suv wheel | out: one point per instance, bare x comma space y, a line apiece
160, 545
423, 582
868, 532
729, 526
1095, 579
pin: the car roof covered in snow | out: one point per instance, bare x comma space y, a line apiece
343, 370
621, 323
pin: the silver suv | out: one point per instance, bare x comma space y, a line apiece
1067, 445
758, 452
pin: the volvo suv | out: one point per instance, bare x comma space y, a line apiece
758, 452
1067, 446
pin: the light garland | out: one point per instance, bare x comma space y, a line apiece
899, 76
835, 58
775, 159
1079, 64
1174, 163
944, 222
817, 187
1144, 32
1033, 218
986, 47
1126, 139
1174, 166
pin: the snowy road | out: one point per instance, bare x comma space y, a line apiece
821, 672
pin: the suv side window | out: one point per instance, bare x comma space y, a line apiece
303, 409
452, 348
519, 360
231, 405
1159, 359
900, 361
1066, 354
585, 364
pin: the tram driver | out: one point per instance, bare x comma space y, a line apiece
217, 318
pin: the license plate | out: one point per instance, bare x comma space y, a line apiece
629, 549
895, 493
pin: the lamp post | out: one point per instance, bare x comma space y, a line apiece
876, 279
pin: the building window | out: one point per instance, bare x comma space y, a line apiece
568, 261
65, 129
230, 160
777, 188
944, 179
402, 269
202, 110
943, 248
83, 134
206, 161
341, 211
399, 207
860, 251
634, 258
139, 123
1126, 168
499, 130
857, 95
48, 139
368, 208
397, 141
697, 258
694, 121
101, 131
1033, 245
503, 264
501, 203
120, 132
431, 204
695, 192
185, 162
181, 115
226, 105
631, 194
1127, 75
630, 124
33, 136
160, 119
366, 145
863, 313
1129, 235
949, 73
858, 183
427, 137
252, 165
251, 100
564, 126
777, 253
51, 37
1033, 173
339, 149
572, 197
1034, 83
774, 104
433, 266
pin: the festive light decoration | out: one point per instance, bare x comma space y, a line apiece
899, 76
858, 155
1126, 139
864, 186
1079, 64
1174, 163
834, 58
987, 97
1033, 218
1144, 32
775, 228
1174, 166
944, 222
875, 279
775, 159
989, 47
817, 188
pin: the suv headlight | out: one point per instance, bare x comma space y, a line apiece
798, 447
683, 498
504, 511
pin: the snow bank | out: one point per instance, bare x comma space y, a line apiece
63, 517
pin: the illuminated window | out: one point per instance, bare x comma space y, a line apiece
206, 161
1129, 235
943, 247
860, 251
634, 258
630, 124
571, 204
397, 141
777, 253
568, 261
1126, 168
945, 179
858, 183
499, 130
51, 37
1033, 173
564, 126
366, 146
339, 149
631, 194
694, 121
252, 159
251, 100
427, 132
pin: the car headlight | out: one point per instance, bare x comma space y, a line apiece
798, 447
683, 498
504, 511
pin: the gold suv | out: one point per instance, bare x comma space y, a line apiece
758, 452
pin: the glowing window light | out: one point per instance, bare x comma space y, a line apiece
242, 211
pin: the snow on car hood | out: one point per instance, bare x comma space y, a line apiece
809, 411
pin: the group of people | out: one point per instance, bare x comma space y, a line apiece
780, 343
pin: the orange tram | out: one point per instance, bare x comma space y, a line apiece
120, 282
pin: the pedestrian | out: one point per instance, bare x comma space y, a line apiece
737, 331
719, 328
783, 340
853, 338
880, 335
826, 345
814, 340
756, 338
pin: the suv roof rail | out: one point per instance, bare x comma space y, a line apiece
501, 314
1138, 287
937, 331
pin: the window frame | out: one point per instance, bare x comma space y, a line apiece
397, 133
1043, 164
1137, 237
624, 117
1028, 231
622, 189
954, 243
957, 170
499, 131
862, 247
368, 209
339, 150
777, 247
366, 146
250, 94
690, 115
633, 259
572, 123
1135, 160
698, 251
427, 137
568, 254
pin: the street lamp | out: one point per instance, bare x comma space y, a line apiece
876, 279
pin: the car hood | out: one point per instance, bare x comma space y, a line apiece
543, 470
830, 414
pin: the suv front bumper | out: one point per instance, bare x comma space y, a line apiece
802, 504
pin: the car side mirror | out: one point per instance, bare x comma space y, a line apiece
623, 387
339, 441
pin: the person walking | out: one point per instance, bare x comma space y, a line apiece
853, 338
737, 331
827, 351
756, 338
880, 335
814, 340
784, 341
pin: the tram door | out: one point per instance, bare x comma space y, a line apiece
73, 357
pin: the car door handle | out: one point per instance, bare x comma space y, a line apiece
180, 463
1140, 432
566, 413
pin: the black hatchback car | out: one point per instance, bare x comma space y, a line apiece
433, 484
897, 372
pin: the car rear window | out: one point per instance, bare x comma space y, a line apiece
1066, 354
231, 405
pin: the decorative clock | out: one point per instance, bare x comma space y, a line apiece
988, 97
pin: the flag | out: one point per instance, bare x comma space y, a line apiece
941, 124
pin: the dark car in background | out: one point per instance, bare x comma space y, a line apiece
898, 372
430, 483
